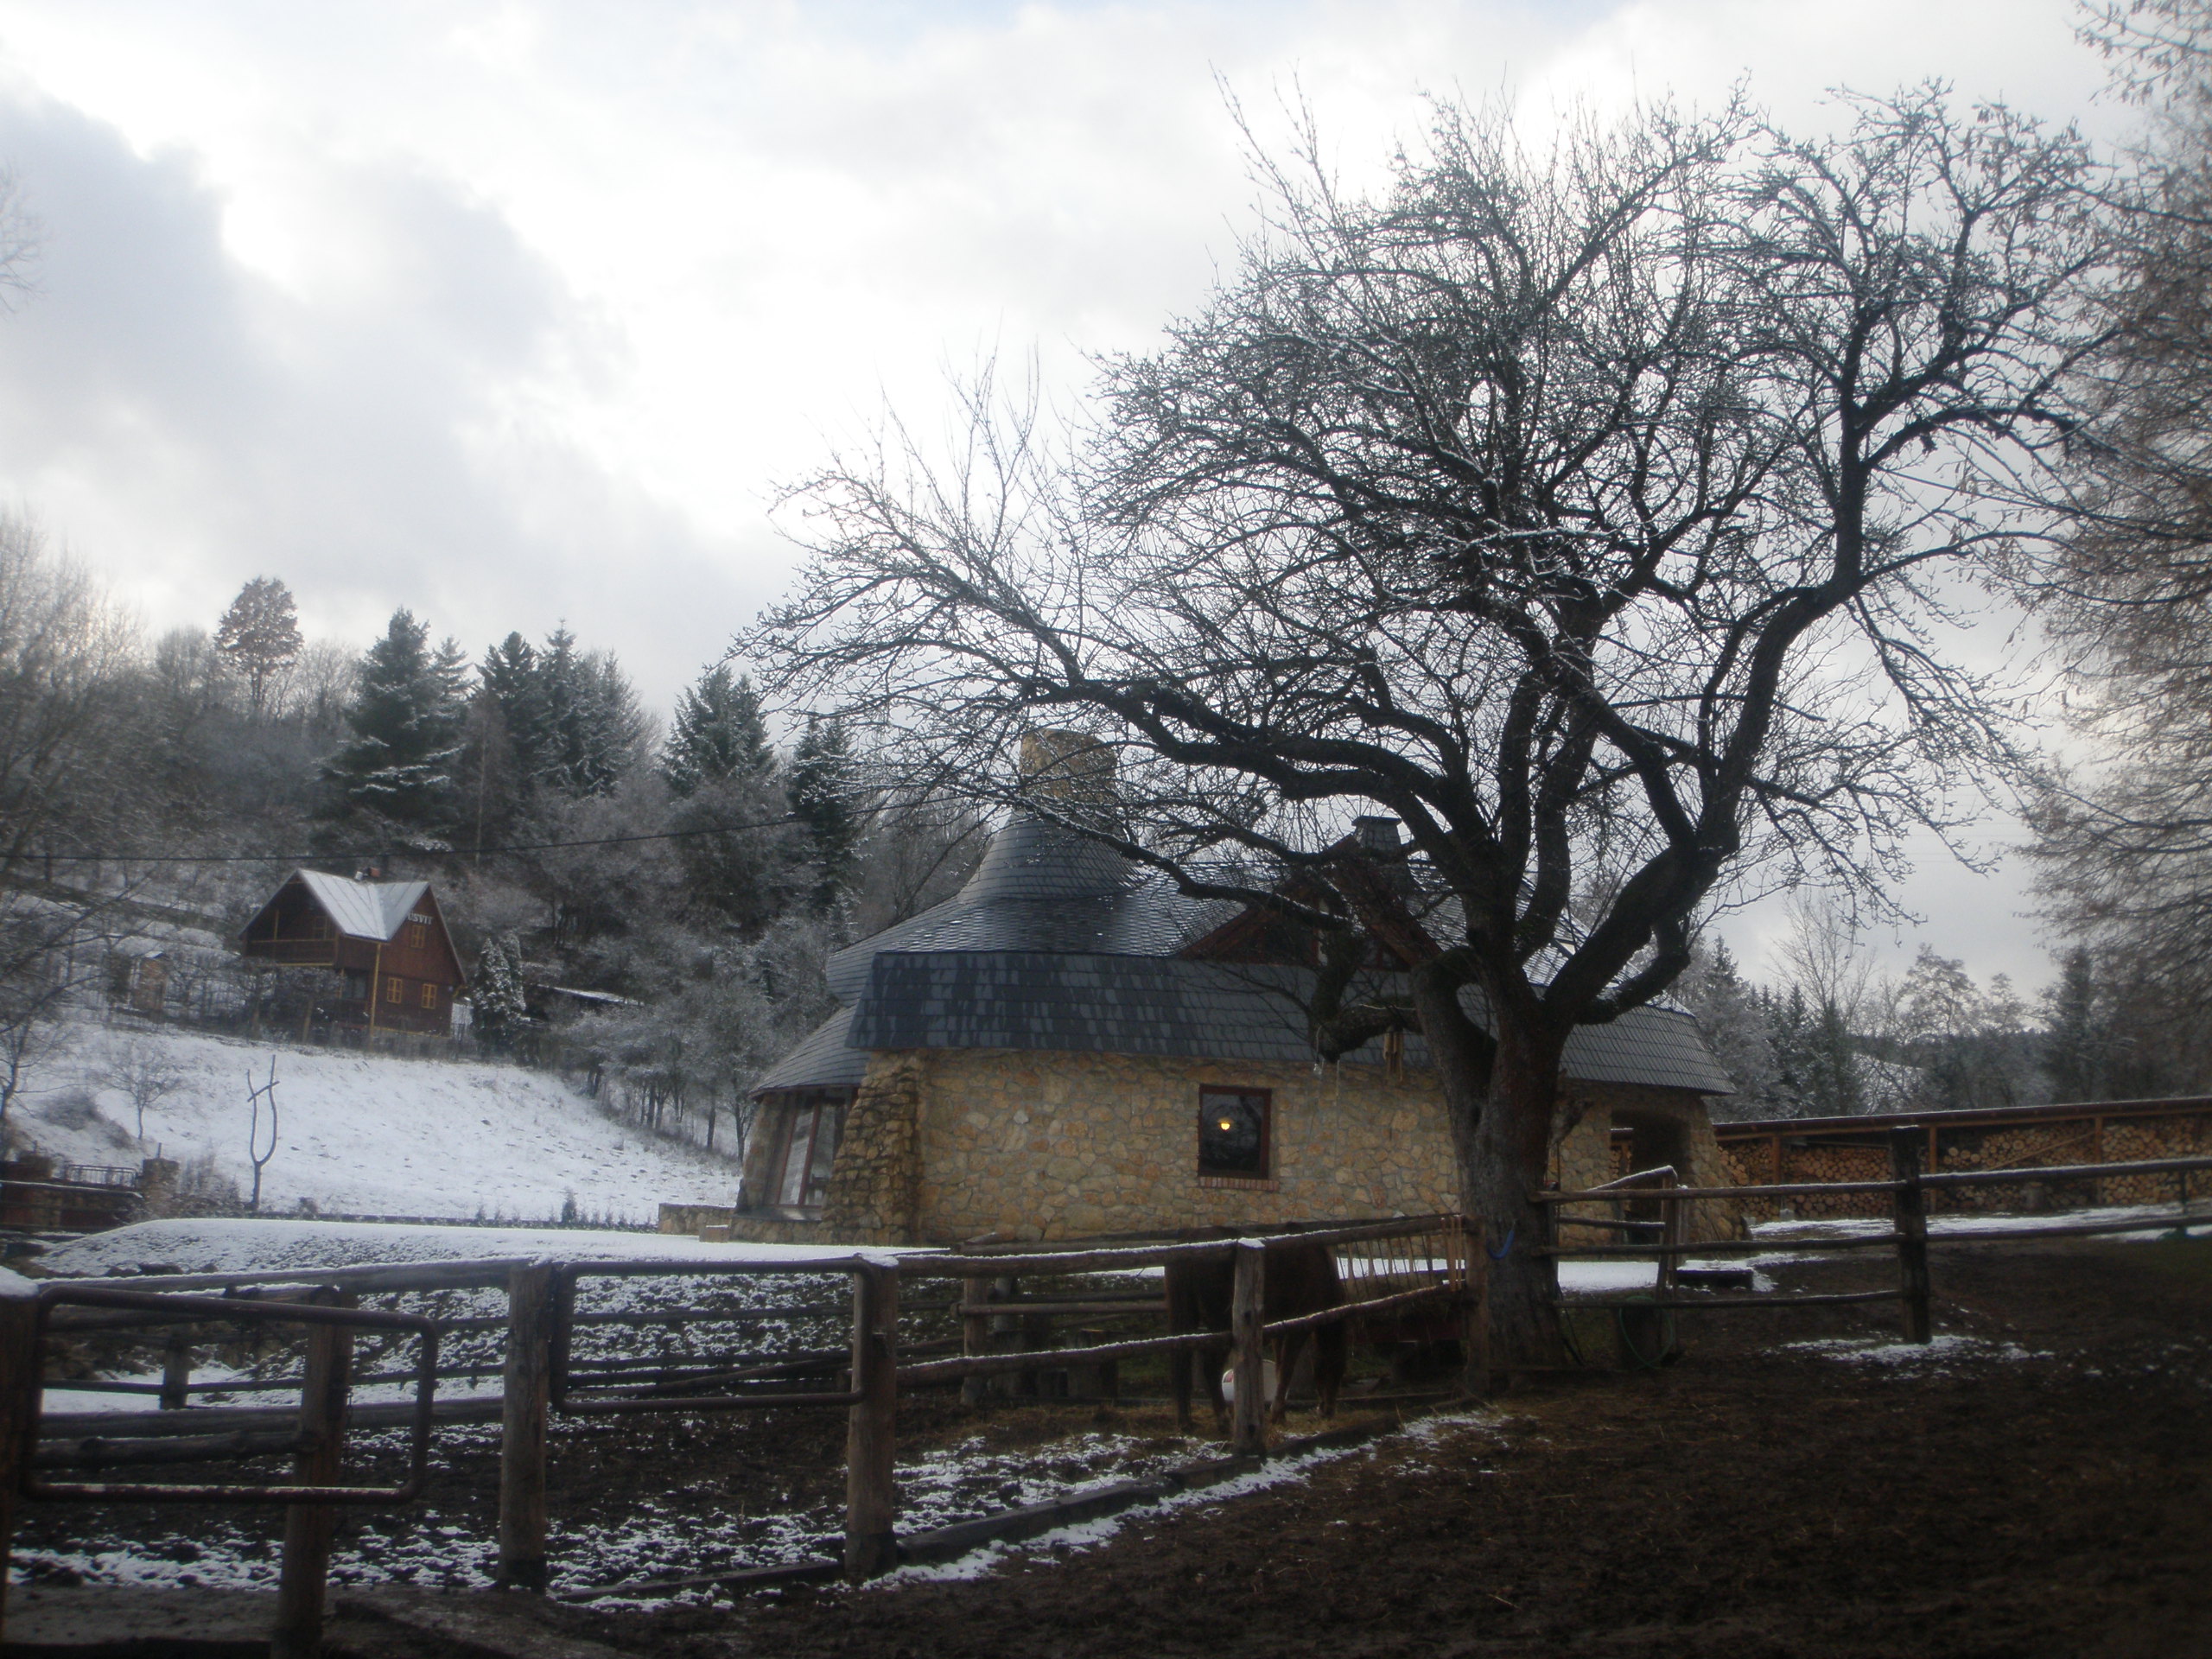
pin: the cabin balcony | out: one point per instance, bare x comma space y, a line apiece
299, 953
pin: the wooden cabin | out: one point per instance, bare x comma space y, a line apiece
392, 964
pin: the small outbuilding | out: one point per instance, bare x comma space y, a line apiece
391, 963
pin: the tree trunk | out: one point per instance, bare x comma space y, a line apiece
1500, 1094
1512, 1155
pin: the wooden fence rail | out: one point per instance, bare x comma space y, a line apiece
1909, 1235
539, 1385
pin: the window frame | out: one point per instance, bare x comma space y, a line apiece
1264, 1177
395, 991
429, 997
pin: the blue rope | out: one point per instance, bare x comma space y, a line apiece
1504, 1250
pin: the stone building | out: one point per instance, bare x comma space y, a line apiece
1069, 1046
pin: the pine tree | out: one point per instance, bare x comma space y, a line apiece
496, 1001
822, 796
509, 674
259, 636
1734, 1021
593, 724
406, 719
2076, 1047
718, 734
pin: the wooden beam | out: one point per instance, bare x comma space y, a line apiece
309, 1527
527, 1379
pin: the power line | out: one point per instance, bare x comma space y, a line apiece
401, 852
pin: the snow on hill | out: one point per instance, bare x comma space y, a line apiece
368, 1134
225, 1244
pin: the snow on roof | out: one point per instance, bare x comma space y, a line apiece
365, 910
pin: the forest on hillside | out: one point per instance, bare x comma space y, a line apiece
686, 864
702, 871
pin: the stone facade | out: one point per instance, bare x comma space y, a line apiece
948, 1145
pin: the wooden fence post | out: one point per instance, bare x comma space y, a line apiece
309, 1527
975, 1335
19, 1375
1248, 1303
1906, 1149
527, 1379
177, 1373
871, 1445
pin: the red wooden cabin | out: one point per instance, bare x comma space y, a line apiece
393, 965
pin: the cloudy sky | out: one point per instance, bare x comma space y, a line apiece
518, 313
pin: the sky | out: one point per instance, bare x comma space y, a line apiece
518, 315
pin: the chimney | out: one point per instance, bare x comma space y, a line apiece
1377, 835
1065, 765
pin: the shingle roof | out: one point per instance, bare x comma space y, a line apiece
824, 1060
1088, 1003
1043, 888
1057, 941
365, 910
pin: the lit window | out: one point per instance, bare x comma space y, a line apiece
394, 991
429, 995
1233, 1132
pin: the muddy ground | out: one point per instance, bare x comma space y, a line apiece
2041, 1488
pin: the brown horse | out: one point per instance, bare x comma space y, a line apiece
1301, 1279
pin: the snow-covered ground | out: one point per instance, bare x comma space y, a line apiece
369, 1134
247, 1244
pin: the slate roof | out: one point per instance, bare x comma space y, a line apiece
823, 1061
1197, 1010
365, 910
1057, 942
1043, 888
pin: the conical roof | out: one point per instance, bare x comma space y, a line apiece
1045, 889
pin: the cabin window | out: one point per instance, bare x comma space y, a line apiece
1235, 1132
395, 990
418, 935
357, 987
429, 995
318, 927
809, 1148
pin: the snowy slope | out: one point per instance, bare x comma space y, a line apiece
249, 1245
371, 1135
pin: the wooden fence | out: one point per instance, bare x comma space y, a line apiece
1907, 1189
1390, 1268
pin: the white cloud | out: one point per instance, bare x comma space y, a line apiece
513, 312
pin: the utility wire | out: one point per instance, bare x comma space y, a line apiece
29, 857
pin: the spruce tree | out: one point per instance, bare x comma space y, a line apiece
718, 734
406, 718
2076, 1046
496, 1000
821, 793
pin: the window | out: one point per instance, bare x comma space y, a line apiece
357, 987
1234, 1134
800, 1178
395, 990
318, 927
418, 933
429, 995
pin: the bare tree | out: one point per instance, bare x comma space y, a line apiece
258, 1095
146, 1071
1586, 510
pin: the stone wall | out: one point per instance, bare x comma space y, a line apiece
949, 1145
874, 1184
1026, 1144
1587, 1156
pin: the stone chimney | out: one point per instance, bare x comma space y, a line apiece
1377, 835
1065, 765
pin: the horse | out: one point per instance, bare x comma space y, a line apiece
1301, 1279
